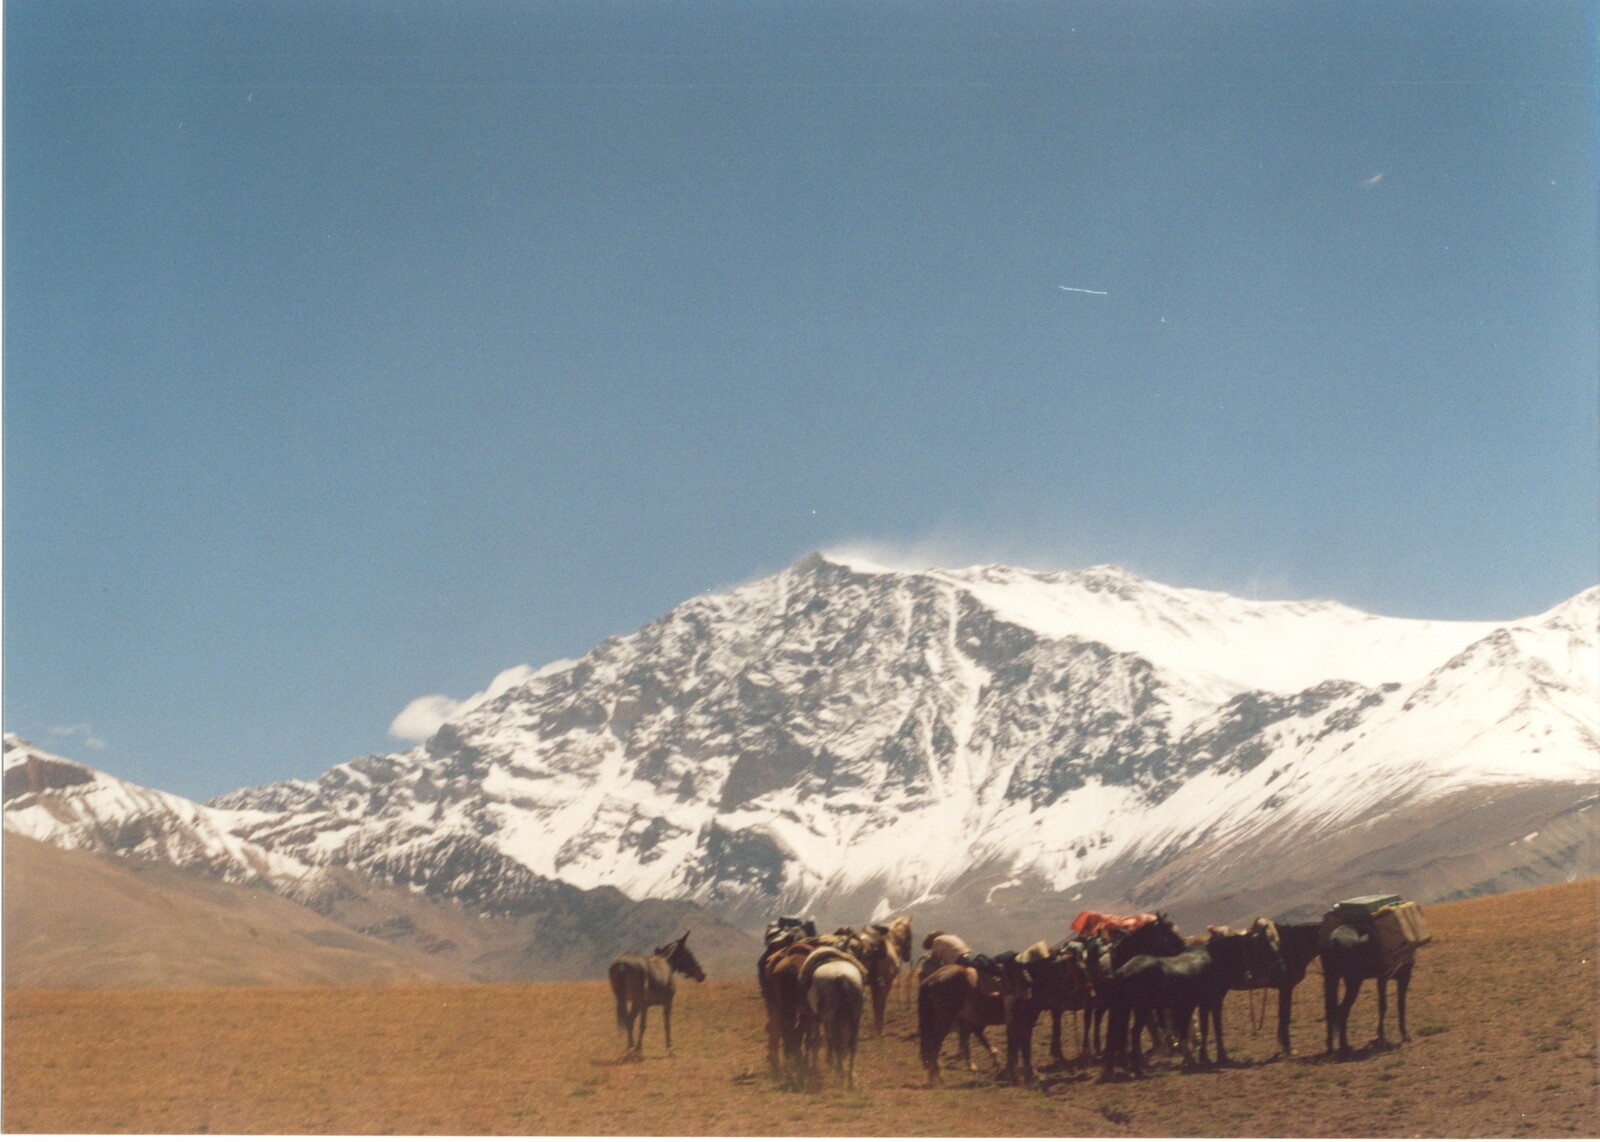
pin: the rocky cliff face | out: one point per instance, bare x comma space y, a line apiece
842, 732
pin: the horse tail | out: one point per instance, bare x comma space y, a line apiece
619, 989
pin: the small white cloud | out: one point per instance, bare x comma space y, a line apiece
81, 732
423, 716
1369, 183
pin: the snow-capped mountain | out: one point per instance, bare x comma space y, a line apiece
845, 732
71, 806
535, 928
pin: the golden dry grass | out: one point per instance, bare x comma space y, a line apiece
1505, 1018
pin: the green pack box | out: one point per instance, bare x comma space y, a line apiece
1362, 907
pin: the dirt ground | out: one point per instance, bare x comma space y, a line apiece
1504, 1017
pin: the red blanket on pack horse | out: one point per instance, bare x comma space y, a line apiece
1109, 927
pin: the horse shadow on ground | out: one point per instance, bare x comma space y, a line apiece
1353, 1055
628, 1059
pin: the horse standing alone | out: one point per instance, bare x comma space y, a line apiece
641, 982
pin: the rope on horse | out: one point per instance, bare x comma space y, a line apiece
1257, 1021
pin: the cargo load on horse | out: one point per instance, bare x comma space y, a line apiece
1107, 926
1397, 925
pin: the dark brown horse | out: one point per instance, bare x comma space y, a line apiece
641, 982
1299, 945
1350, 955
1158, 937
1198, 977
1247, 960
1030, 982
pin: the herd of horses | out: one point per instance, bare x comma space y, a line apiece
1129, 977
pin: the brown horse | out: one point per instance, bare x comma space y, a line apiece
950, 996
641, 982
898, 932
1073, 988
788, 1018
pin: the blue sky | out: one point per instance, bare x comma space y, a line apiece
359, 351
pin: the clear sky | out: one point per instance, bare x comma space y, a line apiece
356, 352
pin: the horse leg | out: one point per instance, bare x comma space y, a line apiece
1285, 998
933, 1024
636, 1024
1402, 984
644, 1014
622, 1011
774, 1038
1115, 1046
1030, 1017
1013, 1046
1352, 989
1330, 1005
666, 1023
1141, 1017
1182, 1018
1216, 1029
994, 1056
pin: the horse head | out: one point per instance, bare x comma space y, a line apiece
1250, 958
1158, 937
1265, 957
680, 959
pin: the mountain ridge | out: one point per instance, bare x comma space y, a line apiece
842, 730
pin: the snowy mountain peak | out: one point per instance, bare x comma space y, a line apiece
844, 731
73, 806
842, 726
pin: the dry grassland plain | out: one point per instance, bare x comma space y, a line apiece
1503, 1017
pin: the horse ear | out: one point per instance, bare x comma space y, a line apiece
684, 937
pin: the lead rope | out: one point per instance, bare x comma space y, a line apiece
1257, 1021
